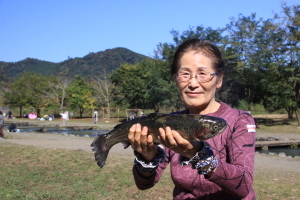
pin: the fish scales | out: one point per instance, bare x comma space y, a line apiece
190, 127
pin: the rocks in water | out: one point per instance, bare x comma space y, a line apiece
43, 130
281, 154
265, 148
271, 138
75, 129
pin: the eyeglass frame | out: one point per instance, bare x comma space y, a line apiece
192, 76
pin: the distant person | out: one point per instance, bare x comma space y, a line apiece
64, 117
95, 118
9, 115
32, 115
1, 125
51, 117
131, 115
12, 127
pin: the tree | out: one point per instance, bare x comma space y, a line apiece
144, 85
243, 45
26, 90
80, 95
165, 51
268, 56
57, 92
290, 23
102, 88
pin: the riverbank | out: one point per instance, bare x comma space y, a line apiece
287, 137
270, 162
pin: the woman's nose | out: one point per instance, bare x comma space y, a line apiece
193, 82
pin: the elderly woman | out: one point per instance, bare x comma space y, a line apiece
220, 167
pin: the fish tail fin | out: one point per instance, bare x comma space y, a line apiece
101, 149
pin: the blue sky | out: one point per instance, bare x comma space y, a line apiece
53, 30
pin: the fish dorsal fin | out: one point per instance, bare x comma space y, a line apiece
150, 116
155, 115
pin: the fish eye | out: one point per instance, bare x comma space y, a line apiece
215, 127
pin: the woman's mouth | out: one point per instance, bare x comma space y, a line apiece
192, 94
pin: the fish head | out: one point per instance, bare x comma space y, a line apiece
209, 127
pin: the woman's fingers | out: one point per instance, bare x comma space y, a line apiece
173, 140
166, 137
177, 138
131, 134
169, 137
162, 136
150, 141
134, 136
138, 137
144, 138
142, 141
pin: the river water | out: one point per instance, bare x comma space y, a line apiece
94, 133
63, 131
287, 151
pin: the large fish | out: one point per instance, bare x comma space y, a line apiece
190, 127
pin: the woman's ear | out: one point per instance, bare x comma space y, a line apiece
175, 80
219, 81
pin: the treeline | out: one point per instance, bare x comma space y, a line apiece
87, 66
262, 59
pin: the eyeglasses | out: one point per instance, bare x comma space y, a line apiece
201, 76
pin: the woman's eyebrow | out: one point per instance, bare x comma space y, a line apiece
188, 69
184, 68
202, 67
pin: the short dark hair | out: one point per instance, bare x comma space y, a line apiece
204, 46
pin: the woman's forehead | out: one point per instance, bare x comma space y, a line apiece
195, 59
201, 68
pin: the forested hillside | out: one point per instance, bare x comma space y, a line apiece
90, 65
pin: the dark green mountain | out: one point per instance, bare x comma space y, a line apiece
90, 65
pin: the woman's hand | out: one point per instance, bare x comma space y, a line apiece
173, 140
142, 141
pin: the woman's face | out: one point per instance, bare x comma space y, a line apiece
199, 97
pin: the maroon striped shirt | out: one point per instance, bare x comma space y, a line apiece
233, 178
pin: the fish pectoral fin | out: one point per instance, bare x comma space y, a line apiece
126, 144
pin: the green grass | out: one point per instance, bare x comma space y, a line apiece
33, 173
277, 125
29, 172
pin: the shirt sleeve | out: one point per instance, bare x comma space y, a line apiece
235, 175
144, 183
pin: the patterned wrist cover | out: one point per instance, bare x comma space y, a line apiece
204, 161
149, 167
